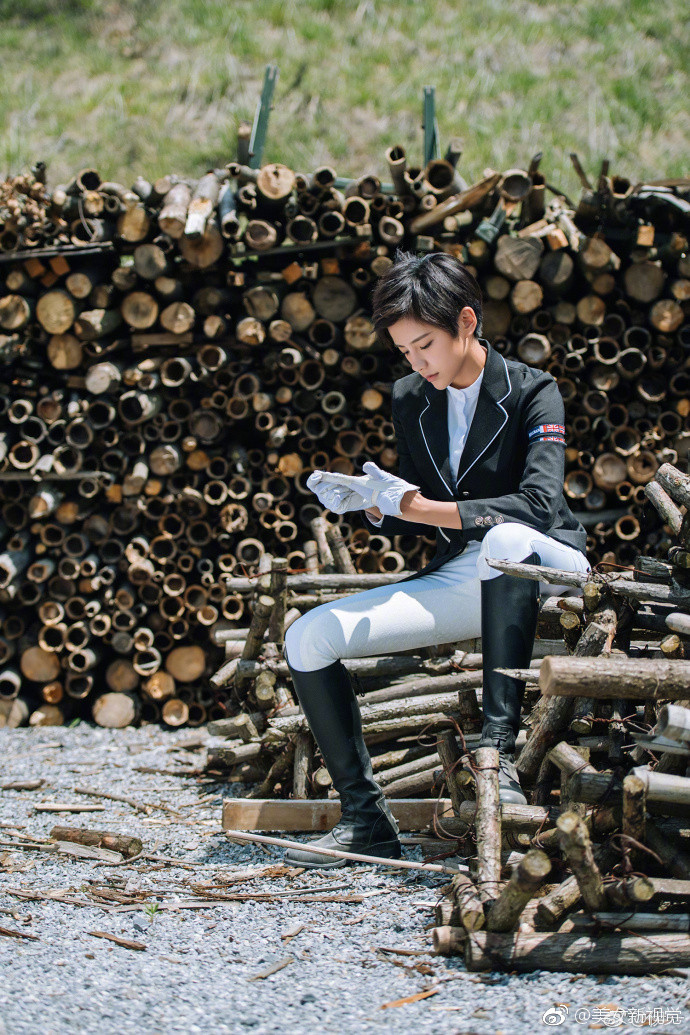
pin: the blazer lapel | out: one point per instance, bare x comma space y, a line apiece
433, 421
490, 415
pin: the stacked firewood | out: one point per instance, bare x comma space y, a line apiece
406, 694
179, 356
612, 731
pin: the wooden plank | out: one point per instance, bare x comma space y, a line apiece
321, 813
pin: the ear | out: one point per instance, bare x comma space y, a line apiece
467, 321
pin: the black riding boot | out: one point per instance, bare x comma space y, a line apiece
510, 608
366, 825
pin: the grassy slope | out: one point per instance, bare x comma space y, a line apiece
144, 86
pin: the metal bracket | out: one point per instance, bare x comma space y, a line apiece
263, 110
430, 125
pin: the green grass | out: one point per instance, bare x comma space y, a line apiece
138, 87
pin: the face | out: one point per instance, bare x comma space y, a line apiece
435, 354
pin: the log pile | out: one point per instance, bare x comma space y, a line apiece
410, 704
180, 355
604, 883
406, 695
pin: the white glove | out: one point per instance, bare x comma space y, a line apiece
333, 495
376, 488
388, 489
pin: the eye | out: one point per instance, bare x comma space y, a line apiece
421, 348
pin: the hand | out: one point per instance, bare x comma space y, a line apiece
333, 495
376, 488
387, 490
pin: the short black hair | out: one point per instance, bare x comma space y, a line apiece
433, 288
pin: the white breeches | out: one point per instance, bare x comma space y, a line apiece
441, 607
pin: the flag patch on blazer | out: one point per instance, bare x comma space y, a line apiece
546, 429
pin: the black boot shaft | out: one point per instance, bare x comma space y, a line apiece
509, 612
367, 826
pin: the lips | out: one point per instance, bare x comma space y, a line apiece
431, 377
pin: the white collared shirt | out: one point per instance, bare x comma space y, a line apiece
462, 402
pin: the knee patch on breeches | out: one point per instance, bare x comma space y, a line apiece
510, 541
308, 641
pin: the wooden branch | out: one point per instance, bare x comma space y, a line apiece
664, 787
639, 591
676, 484
124, 844
634, 815
627, 921
304, 748
451, 757
569, 760
576, 952
577, 849
614, 677
593, 788
488, 823
448, 941
525, 818
556, 715
552, 906
468, 902
525, 880
629, 892
540, 573
665, 506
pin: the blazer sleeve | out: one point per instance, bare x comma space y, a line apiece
389, 525
540, 491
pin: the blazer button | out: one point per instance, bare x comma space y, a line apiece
465, 495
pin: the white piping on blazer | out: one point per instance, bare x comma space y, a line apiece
479, 455
505, 419
428, 404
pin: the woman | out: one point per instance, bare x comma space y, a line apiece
480, 442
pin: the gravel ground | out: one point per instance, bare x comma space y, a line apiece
204, 969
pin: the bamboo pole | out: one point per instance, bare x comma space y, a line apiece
333, 853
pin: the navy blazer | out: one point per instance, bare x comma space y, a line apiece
512, 464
